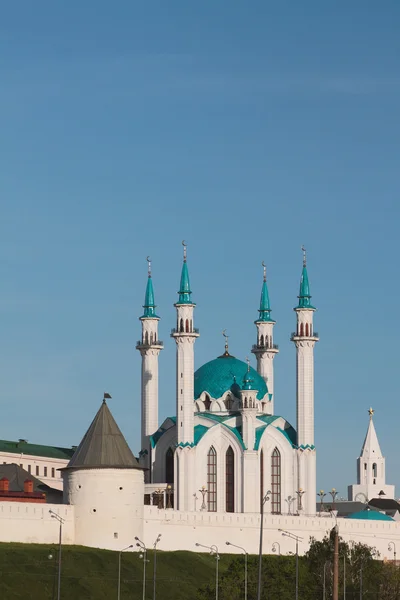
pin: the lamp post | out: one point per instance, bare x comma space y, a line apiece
61, 521
290, 500
300, 493
274, 546
263, 501
321, 495
119, 569
298, 539
203, 491
213, 550
344, 576
143, 548
333, 493
155, 565
158, 495
169, 494
245, 566
392, 546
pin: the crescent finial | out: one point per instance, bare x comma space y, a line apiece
264, 266
148, 265
304, 255
184, 244
226, 340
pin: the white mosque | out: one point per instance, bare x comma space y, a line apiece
202, 475
226, 437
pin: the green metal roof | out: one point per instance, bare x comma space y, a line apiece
288, 432
304, 293
370, 515
149, 304
265, 308
224, 374
36, 449
184, 288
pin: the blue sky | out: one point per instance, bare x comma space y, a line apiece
247, 129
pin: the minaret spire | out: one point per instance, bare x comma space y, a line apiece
265, 349
304, 339
185, 335
149, 347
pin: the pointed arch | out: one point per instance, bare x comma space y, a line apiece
262, 340
276, 481
374, 470
212, 479
228, 402
187, 326
169, 466
181, 326
207, 402
306, 329
146, 338
230, 480
301, 330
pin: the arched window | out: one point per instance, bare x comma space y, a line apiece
262, 340
375, 470
230, 480
212, 479
151, 338
187, 326
169, 466
207, 403
301, 330
181, 326
276, 481
306, 329
261, 476
228, 403
146, 338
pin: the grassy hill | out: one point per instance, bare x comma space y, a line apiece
26, 571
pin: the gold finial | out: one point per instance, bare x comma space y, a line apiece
148, 265
226, 341
265, 271
248, 364
371, 413
184, 244
304, 256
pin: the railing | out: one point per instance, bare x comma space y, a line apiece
149, 344
265, 347
313, 334
194, 330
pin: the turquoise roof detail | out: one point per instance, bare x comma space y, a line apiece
237, 431
265, 307
184, 288
304, 293
248, 381
225, 374
149, 304
370, 515
288, 432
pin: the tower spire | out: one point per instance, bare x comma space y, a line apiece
304, 293
265, 307
149, 304
184, 288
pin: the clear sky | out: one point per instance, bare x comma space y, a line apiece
246, 128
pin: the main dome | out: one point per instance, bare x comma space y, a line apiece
225, 374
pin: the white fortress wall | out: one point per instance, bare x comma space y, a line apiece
32, 523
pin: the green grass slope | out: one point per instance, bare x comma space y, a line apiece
26, 571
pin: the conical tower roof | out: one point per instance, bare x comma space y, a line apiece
265, 307
103, 446
184, 288
304, 293
371, 448
149, 303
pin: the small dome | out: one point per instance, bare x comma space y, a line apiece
371, 515
224, 374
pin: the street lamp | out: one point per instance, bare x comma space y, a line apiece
321, 495
169, 494
119, 569
203, 491
263, 501
392, 546
245, 566
213, 550
300, 493
61, 521
143, 548
298, 539
276, 545
155, 565
333, 493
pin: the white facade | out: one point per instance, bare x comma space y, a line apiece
44, 468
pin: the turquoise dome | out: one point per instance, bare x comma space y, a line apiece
223, 374
370, 515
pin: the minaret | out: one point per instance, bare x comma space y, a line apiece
265, 349
185, 335
371, 479
305, 338
149, 347
249, 407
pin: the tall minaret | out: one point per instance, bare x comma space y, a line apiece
371, 478
185, 335
149, 347
305, 338
265, 349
